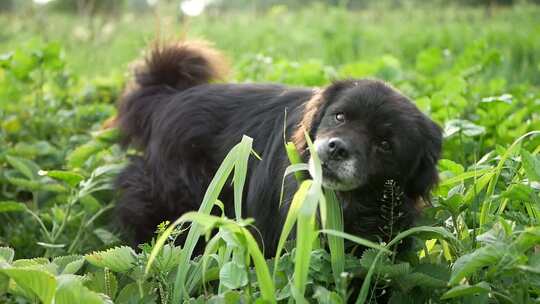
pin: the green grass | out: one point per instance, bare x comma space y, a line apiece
329, 35
478, 75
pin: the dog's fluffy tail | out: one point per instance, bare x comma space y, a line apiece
182, 65
165, 71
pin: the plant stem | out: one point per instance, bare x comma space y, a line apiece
77, 236
43, 227
72, 201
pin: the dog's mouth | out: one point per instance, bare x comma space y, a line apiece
338, 175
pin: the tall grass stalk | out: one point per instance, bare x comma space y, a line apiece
486, 207
332, 218
210, 197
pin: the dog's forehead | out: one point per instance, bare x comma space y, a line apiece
378, 108
370, 100
369, 95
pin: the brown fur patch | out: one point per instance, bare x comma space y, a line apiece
311, 108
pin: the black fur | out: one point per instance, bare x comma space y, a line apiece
185, 126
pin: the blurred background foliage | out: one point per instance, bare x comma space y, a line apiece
100, 36
107, 5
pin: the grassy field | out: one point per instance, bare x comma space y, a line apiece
475, 72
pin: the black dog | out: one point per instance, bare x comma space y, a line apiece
365, 132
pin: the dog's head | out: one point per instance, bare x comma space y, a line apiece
366, 132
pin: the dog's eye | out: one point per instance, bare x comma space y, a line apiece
385, 146
340, 117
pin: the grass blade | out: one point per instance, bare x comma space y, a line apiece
240, 172
295, 158
266, 284
334, 221
290, 220
486, 207
305, 235
355, 239
362, 296
209, 199
194, 233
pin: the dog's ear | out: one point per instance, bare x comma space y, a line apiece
310, 120
314, 110
425, 176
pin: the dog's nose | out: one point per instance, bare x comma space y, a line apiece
337, 149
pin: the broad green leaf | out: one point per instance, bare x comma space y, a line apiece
27, 167
12, 206
73, 267
528, 239
448, 165
384, 265
426, 276
110, 135
232, 297
91, 204
77, 158
71, 290
470, 263
11, 124
133, 293
38, 282
531, 164
233, 275
7, 254
106, 236
477, 187
118, 259
109, 170
25, 183
399, 297
454, 203
466, 290
69, 264
213, 251
33, 185
102, 281
169, 258
324, 296
533, 264
71, 178
465, 127
30, 262
4, 280
519, 192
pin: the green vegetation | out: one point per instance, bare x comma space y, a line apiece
477, 74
